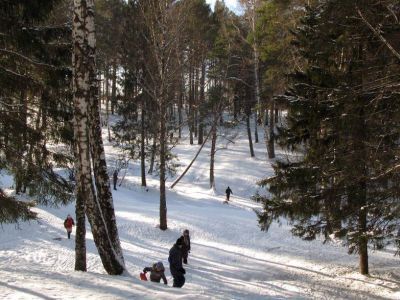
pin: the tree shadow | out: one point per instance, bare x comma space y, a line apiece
25, 291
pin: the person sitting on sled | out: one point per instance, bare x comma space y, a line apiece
156, 272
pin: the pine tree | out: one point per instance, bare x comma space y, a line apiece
342, 127
35, 108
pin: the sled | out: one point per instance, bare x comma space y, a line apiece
143, 277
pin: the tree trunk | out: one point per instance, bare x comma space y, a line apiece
360, 162
256, 79
80, 232
142, 145
196, 102
153, 155
213, 150
163, 154
108, 103
249, 135
363, 241
102, 180
193, 160
114, 88
191, 109
85, 95
180, 103
201, 103
271, 135
256, 127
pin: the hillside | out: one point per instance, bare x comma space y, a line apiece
230, 259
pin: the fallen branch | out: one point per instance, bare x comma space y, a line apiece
193, 160
380, 36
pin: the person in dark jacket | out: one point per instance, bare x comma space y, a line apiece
228, 192
185, 246
175, 263
115, 179
156, 272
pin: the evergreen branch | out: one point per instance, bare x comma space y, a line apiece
12, 210
387, 172
21, 76
27, 58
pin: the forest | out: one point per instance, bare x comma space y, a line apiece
314, 84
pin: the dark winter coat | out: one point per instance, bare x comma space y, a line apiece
156, 275
228, 191
186, 245
175, 261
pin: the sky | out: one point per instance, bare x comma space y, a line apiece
232, 4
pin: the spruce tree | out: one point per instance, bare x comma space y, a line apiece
342, 129
35, 108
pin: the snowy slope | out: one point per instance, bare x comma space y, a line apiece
230, 259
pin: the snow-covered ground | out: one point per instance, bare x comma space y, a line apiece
230, 259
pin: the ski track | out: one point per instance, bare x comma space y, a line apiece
231, 258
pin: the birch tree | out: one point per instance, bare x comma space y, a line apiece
163, 22
90, 151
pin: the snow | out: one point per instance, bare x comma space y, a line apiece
230, 259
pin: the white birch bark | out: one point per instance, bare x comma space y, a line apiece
86, 104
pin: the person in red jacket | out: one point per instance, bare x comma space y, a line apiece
68, 223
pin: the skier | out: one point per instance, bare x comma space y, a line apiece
115, 179
228, 192
156, 272
185, 246
68, 223
175, 263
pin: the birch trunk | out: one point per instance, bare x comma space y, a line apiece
86, 104
80, 232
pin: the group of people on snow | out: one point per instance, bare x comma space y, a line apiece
178, 254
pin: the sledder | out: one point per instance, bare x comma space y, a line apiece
228, 193
156, 273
